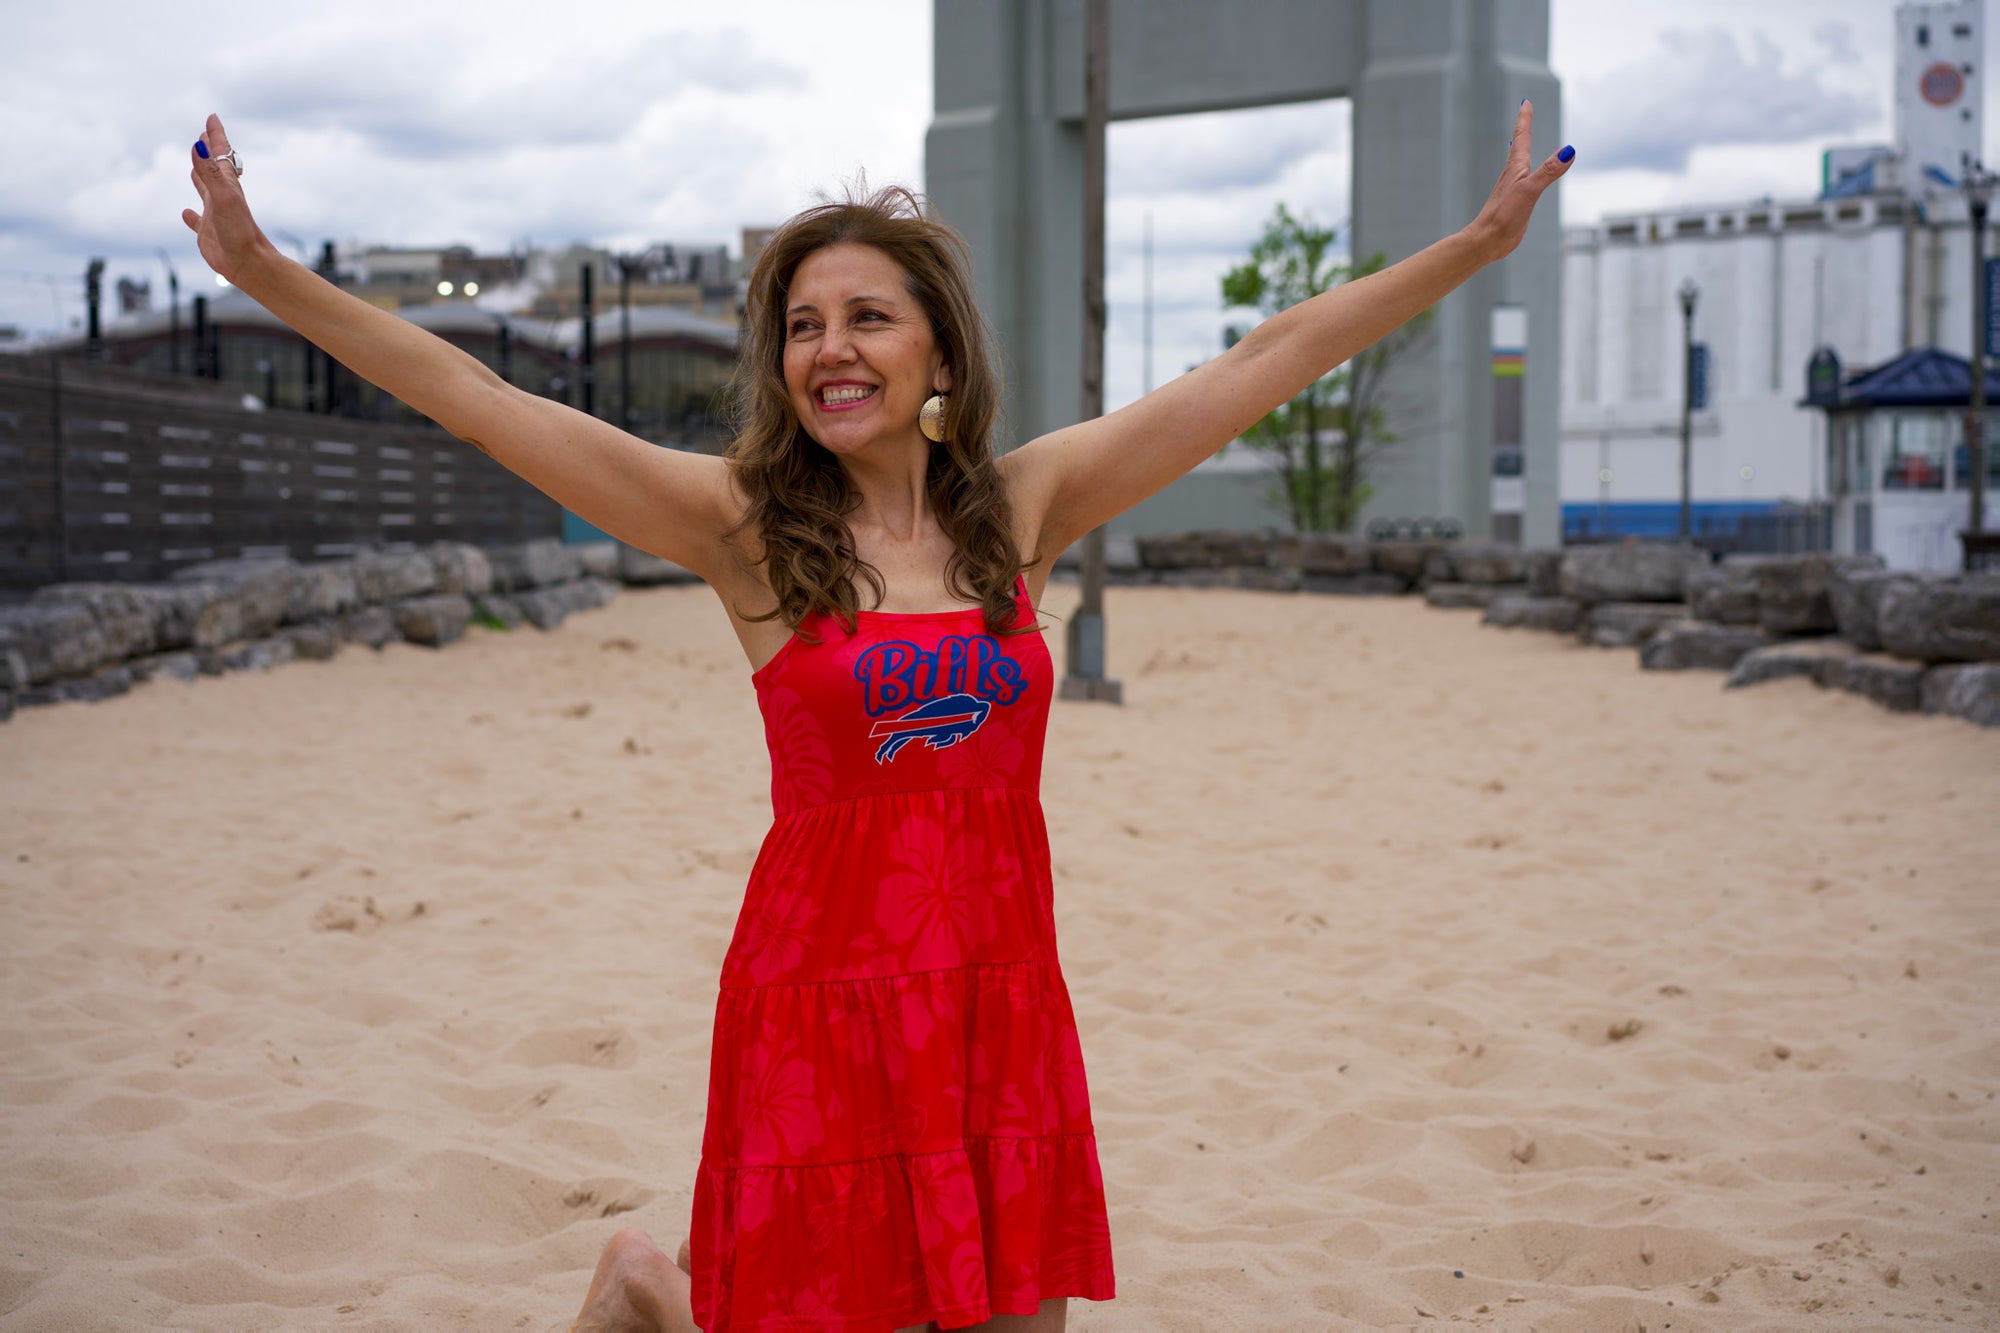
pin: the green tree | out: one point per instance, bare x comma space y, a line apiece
1325, 439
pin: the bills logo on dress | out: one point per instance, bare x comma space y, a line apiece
940, 696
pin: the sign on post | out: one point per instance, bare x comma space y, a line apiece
1698, 378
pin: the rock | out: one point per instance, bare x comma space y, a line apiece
596, 592
497, 606
1204, 550
241, 599
463, 568
372, 625
256, 655
644, 569
1479, 562
1951, 619
1545, 573
1823, 661
1971, 691
6, 704
1322, 553
1354, 585
1556, 615
1404, 558
546, 608
1792, 591
433, 621
541, 563
41, 642
1856, 596
123, 611
598, 560
1637, 572
325, 588
391, 576
1477, 595
1699, 646
181, 665
114, 680
1627, 624
1894, 682
1260, 580
317, 641
1725, 594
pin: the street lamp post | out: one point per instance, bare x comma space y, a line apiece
1689, 294
1978, 183
627, 264
173, 312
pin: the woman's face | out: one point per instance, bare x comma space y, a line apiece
860, 358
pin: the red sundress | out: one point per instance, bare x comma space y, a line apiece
898, 1127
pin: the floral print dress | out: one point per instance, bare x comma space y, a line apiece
898, 1125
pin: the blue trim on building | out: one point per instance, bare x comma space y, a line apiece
1662, 519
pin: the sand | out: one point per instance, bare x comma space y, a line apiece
1426, 972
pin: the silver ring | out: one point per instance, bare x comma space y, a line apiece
234, 161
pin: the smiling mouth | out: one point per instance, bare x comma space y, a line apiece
845, 395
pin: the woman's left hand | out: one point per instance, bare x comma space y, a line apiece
1504, 220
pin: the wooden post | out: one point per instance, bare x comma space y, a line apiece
1085, 676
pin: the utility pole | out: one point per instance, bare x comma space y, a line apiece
1146, 335
626, 263
1689, 295
93, 286
1978, 186
1085, 678
587, 365
173, 313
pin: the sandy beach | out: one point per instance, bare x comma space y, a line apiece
1426, 972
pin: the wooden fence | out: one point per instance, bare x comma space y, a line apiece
117, 475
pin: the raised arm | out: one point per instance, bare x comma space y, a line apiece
1071, 480
674, 504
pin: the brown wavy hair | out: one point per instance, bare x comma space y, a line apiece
799, 496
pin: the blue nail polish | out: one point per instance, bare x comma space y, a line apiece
200, 149
1566, 154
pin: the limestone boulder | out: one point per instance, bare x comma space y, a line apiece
1822, 661
1700, 646
1204, 550
1794, 591
1725, 594
124, 611
1354, 585
1322, 553
1627, 624
1405, 558
1475, 595
1637, 572
461, 568
435, 620
542, 563
47, 641
644, 569
598, 560
1897, 683
243, 598
1951, 619
1545, 572
1253, 578
325, 588
1554, 615
1970, 690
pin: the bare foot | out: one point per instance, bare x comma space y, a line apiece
635, 1290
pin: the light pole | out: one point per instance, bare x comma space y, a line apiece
1978, 183
173, 312
1689, 294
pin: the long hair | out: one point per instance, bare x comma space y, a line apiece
799, 497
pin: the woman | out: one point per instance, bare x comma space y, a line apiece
898, 1132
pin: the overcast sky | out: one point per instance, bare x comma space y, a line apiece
622, 123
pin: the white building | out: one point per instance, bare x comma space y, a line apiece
1879, 264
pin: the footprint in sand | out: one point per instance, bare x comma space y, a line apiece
359, 916
606, 1197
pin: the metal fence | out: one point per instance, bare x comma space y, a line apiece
113, 474
1792, 530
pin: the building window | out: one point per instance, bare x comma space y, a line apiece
1917, 445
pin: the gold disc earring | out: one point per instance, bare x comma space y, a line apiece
930, 418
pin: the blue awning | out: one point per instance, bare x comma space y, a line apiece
1920, 377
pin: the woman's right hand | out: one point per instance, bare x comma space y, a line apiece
226, 233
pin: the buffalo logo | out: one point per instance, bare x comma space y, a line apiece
939, 723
